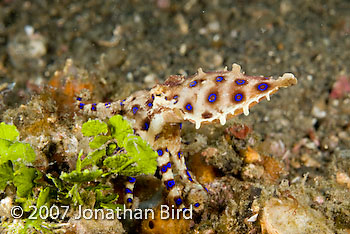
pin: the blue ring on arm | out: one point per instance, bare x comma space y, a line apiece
238, 97
135, 109
240, 82
219, 78
160, 152
178, 201
146, 127
189, 176
188, 107
193, 83
131, 179
122, 102
93, 106
128, 190
212, 97
262, 86
170, 184
164, 168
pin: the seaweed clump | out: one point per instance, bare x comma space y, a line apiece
114, 151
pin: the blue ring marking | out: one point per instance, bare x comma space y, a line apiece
131, 179
212, 97
108, 105
135, 109
238, 97
169, 184
240, 82
146, 127
175, 97
180, 125
193, 83
196, 204
189, 176
166, 149
121, 103
168, 164
81, 106
178, 201
263, 86
78, 98
160, 152
93, 106
150, 104
188, 107
219, 78
179, 154
128, 190
164, 168
129, 200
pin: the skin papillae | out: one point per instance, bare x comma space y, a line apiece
206, 97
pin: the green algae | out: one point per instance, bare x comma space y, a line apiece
74, 187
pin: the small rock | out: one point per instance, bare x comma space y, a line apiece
26, 50
340, 87
318, 110
290, 216
251, 156
309, 161
343, 179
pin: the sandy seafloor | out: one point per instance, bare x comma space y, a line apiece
131, 45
